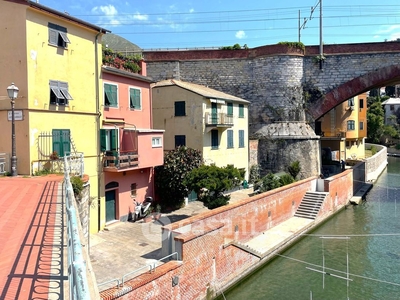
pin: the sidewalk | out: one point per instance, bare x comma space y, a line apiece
31, 238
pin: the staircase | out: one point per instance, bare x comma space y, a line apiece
310, 205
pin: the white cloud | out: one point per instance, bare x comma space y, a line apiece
108, 14
388, 29
140, 17
191, 10
240, 34
108, 10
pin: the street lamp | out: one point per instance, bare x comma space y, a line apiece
12, 91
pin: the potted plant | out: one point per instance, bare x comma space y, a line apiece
157, 214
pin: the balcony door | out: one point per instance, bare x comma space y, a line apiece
214, 113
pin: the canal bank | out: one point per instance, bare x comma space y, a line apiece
217, 248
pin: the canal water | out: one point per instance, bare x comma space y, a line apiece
354, 255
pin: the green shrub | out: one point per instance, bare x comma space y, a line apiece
286, 179
77, 185
373, 150
254, 175
294, 169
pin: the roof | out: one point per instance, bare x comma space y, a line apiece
127, 74
119, 44
65, 16
391, 101
200, 90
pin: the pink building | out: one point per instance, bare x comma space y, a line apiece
131, 147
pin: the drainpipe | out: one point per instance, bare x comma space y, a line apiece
99, 171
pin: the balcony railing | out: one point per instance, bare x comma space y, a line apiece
115, 161
213, 119
333, 134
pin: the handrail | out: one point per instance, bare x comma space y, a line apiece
112, 280
78, 284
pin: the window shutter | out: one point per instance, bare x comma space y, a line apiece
241, 138
57, 141
230, 138
103, 140
230, 109
135, 98
214, 139
53, 36
111, 94
114, 140
66, 142
241, 111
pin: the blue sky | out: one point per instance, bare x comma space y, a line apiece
205, 24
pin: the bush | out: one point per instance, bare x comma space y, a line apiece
77, 185
269, 182
373, 150
294, 169
254, 175
286, 179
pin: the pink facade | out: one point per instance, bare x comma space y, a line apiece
131, 147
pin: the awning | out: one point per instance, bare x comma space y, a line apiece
114, 121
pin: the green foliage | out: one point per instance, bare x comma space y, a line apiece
375, 120
43, 172
119, 60
254, 175
77, 185
294, 168
286, 179
169, 178
297, 45
373, 150
268, 182
210, 183
234, 47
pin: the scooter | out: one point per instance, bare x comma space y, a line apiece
142, 208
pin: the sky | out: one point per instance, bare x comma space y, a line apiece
188, 24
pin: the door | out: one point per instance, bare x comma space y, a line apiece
110, 205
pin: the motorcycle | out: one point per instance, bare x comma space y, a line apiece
142, 208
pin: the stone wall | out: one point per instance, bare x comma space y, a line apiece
377, 163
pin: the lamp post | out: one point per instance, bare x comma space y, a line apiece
12, 91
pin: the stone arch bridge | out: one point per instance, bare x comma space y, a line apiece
287, 89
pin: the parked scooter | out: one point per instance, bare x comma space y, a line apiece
142, 208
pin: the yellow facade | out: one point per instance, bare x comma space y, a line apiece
344, 128
45, 49
196, 126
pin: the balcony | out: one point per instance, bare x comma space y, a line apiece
118, 161
335, 134
218, 120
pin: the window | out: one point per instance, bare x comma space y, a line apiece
180, 140
108, 139
134, 99
350, 102
180, 109
241, 138
361, 103
361, 125
230, 109
110, 95
59, 94
214, 139
61, 141
392, 107
133, 190
156, 142
230, 138
241, 111
58, 35
351, 125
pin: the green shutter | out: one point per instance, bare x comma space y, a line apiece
66, 142
135, 98
230, 138
114, 139
241, 111
61, 141
230, 109
110, 92
103, 140
241, 138
57, 141
214, 139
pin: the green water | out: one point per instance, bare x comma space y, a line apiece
365, 253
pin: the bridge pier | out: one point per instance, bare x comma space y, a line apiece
277, 145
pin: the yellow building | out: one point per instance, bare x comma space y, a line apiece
54, 59
204, 119
343, 129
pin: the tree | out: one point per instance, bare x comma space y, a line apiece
390, 91
375, 120
210, 183
169, 178
267, 183
294, 169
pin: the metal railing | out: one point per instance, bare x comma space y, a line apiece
78, 284
151, 268
218, 119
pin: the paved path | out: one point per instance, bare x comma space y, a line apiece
31, 238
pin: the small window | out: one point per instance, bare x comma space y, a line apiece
241, 111
61, 141
350, 102
361, 125
230, 109
156, 142
214, 139
59, 94
180, 109
230, 139
241, 138
135, 98
361, 103
180, 140
110, 95
133, 190
351, 125
392, 107
58, 35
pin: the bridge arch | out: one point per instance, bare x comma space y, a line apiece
388, 75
